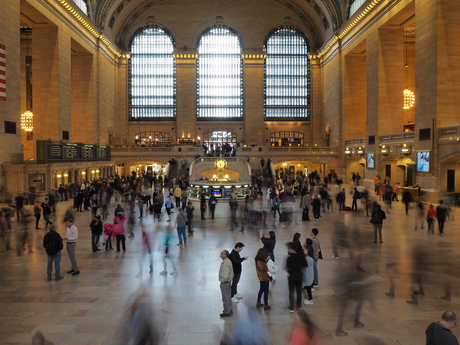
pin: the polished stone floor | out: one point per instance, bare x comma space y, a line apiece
88, 309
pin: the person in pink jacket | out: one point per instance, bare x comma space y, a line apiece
108, 233
119, 231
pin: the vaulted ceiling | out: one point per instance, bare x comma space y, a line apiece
118, 19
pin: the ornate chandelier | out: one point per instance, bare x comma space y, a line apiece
409, 96
409, 99
27, 121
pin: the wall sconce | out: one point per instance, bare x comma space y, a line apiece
405, 149
58, 175
83, 172
348, 151
66, 175
384, 150
360, 151
93, 171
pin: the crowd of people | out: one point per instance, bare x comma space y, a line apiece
135, 196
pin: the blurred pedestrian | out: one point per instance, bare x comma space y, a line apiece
189, 210
431, 215
441, 211
37, 214
167, 254
304, 332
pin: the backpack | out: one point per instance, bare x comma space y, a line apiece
52, 246
429, 332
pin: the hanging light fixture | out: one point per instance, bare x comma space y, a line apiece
409, 96
27, 121
27, 118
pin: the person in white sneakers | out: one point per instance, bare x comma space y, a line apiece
237, 268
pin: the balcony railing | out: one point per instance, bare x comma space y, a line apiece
452, 132
313, 150
404, 136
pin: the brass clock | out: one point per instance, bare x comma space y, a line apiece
220, 164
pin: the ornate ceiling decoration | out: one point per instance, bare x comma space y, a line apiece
116, 18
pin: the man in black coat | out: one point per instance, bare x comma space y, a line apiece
440, 332
96, 232
52, 242
236, 262
294, 264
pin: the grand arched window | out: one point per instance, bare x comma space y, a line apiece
219, 75
152, 75
287, 75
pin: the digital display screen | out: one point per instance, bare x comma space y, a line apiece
227, 192
217, 193
423, 161
370, 162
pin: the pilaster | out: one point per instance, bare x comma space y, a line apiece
253, 76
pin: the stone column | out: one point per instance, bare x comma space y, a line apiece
253, 79
437, 60
354, 97
52, 80
385, 82
83, 100
186, 124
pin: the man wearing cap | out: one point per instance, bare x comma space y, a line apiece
236, 264
181, 223
96, 232
439, 333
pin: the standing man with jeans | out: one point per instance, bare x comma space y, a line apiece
236, 264
225, 278
52, 242
71, 236
316, 255
181, 223
377, 220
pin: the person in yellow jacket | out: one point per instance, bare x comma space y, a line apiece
177, 195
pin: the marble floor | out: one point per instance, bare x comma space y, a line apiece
89, 308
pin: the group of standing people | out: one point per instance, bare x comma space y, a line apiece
301, 265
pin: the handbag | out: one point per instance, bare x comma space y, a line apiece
320, 255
